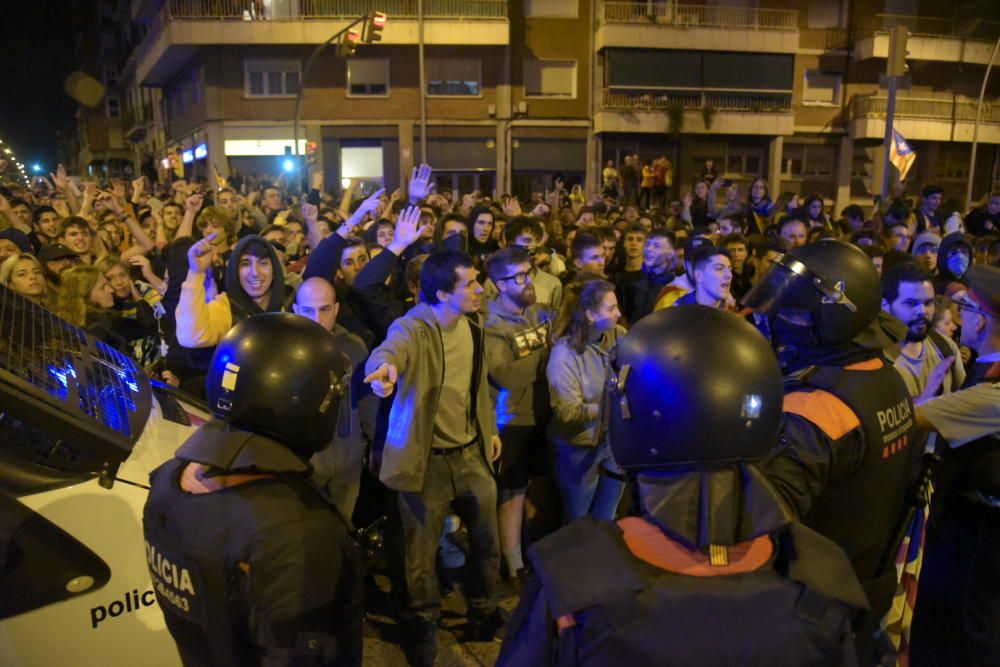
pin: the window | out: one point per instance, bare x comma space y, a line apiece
367, 77
799, 160
550, 78
821, 88
454, 77
740, 160
271, 78
563, 9
113, 106
952, 163
824, 14
110, 78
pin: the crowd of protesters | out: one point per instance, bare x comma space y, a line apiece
479, 322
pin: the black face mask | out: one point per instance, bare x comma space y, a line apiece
456, 242
791, 342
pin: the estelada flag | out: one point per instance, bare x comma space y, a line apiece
901, 155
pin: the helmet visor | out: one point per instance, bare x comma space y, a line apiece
790, 284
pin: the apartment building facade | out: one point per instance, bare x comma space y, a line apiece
515, 92
99, 147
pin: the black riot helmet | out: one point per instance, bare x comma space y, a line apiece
835, 282
693, 385
280, 375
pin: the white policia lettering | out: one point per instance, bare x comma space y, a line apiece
168, 572
894, 416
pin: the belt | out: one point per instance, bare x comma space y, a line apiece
448, 451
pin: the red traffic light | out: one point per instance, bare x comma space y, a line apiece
373, 31
349, 43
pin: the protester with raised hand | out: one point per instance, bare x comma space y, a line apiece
382, 295
326, 253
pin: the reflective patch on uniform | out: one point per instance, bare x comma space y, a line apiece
229, 377
178, 583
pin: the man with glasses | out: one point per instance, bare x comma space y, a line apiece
958, 606
517, 330
527, 234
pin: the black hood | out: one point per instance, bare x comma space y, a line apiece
239, 299
947, 243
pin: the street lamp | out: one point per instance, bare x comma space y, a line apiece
975, 128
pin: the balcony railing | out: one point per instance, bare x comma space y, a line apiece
623, 98
663, 12
928, 109
296, 10
928, 26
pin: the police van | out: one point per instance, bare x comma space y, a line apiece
81, 428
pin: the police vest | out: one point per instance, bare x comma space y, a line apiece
199, 548
629, 612
862, 512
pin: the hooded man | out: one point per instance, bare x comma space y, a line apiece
953, 260
255, 284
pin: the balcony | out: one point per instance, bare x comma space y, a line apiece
658, 24
943, 40
181, 26
926, 119
690, 111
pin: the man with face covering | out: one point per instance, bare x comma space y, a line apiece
711, 569
255, 285
250, 565
954, 259
845, 448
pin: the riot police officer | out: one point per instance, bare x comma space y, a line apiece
250, 565
711, 570
846, 446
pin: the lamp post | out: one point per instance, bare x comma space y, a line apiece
975, 128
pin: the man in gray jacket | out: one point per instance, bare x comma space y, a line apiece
517, 331
440, 442
337, 468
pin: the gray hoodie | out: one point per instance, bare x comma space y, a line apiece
414, 346
576, 386
516, 353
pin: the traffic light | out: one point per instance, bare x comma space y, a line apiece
373, 30
349, 44
896, 65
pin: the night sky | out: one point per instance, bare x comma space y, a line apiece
38, 43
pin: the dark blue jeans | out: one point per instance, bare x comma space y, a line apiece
460, 480
583, 486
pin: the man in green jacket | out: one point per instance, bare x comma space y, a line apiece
440, 442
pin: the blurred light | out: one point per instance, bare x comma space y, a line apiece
7, 151
36, 167
261, 146
200, 151
345, 183
288, 165
187, 156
